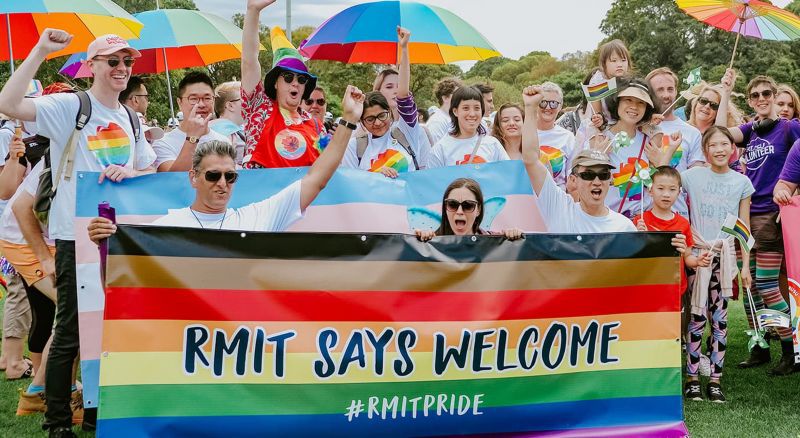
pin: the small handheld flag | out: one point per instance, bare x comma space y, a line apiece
773, 318
693, 78
736, 228
601, 90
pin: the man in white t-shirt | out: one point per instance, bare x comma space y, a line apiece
213, 176
440, 123
195, 98
107, 144
556, 144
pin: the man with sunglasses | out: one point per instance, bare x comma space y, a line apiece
556, 143
106, 144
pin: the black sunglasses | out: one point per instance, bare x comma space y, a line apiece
703, 101
320, 102
214, 176
553, 104
765, 94
468, 206
590, 175
289, 76
113, 62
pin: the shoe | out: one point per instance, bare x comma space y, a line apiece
62, 432
758, 356
76, 404
691, 391
705, 365
30, 403
786, 366
89, 420
714, 392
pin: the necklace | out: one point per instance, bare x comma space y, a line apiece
201, 223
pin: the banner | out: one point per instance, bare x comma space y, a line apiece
354, 201
222, 333
790, 219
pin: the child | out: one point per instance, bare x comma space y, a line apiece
615, 62
714, 192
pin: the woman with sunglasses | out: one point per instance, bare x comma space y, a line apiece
388, 145
556, 143
462, 213
279, 133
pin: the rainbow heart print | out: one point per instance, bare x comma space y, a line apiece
554, 156
623, 177
110, 145
390, 158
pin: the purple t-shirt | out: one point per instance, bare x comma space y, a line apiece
791, 170
765, 155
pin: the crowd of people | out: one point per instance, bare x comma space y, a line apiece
625, 163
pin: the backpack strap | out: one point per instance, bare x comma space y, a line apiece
398, 135
136, 124
67, 163
361, 146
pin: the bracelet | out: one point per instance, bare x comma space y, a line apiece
348, 125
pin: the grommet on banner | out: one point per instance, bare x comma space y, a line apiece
363, 238
579, 238
474, 238
243, 235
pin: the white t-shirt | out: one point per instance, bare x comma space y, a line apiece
275, 213
714, 196
556, 147
106, 139
451, 151
385, 151
6, 136
439, 125
563, 215
689, 152
9, 227
169, 147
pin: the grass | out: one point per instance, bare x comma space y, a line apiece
758, 405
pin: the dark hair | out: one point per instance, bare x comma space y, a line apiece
423, 115
613, 101
667, 171
376, 98
378, 83
194, 77
496, 132
446, 87
761, 79
470, 184
134, 84
484, 88
714, 130
614, 47
460, 95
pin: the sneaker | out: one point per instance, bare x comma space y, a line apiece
691, 391
705, 365
62, 432
76, 404
714, 392
30, 403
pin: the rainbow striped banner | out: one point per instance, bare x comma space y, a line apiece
790, 221
291, 334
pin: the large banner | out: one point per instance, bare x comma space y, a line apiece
220, 333
354, 201
790, 217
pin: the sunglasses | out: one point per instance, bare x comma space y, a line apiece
703, 101
590, 175
214, 176
369, 120
113, 62
553, 104
765, 94
467, 206
289, 76
320, 102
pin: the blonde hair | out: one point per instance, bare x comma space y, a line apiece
735, 116
225, 93
785, 88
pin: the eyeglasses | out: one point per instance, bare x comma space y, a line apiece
703, 101
214, 175
208, 100
146, 96
113, 62
234, 100
590, 175
467, 206
370, 120
764, 93
553, 104
320, 102
289, 76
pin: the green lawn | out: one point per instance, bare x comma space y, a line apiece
758, 405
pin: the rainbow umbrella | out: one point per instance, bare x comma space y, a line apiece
85, 19
367, 33
751, 18
75, 67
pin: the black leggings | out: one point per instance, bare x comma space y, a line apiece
43, 312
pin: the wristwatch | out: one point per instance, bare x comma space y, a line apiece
192, 140
348, 125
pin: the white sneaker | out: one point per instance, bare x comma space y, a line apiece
705, 365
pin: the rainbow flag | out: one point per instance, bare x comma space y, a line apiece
738, 229
601, 90
378, 335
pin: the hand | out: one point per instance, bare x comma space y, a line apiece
425, 235
389, 172
513, 234
597, 120
782, 195
53, 40
100, 228
600, 142
258, 5
16, 149
655, 154
747, 280
194, 125
728, 81
656, 118
352, 104
116, 173
704, 260
641, 226
532, 95
679, 243
403, 35
675, 139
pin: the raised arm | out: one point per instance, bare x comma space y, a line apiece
12, 96
322, 170
251, 69
12, 174
727, 82
537, 172
403, 86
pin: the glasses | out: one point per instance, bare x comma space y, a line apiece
320, 102
113, 62
703, 101
208, 100
765, 94
370, 120
590, 175
467, 206
213, 176
289, 76
146, 96
553, 104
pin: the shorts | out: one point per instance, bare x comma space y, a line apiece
17, 310
24, 260
767, 232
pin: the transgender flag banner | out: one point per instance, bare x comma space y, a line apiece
790, 218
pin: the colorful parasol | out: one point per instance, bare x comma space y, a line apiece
368, 33
750, 18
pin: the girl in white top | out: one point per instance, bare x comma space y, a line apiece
468, 142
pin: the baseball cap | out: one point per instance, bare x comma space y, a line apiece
108, 44
638, 91
591, 157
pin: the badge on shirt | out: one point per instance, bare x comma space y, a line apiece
291, 145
